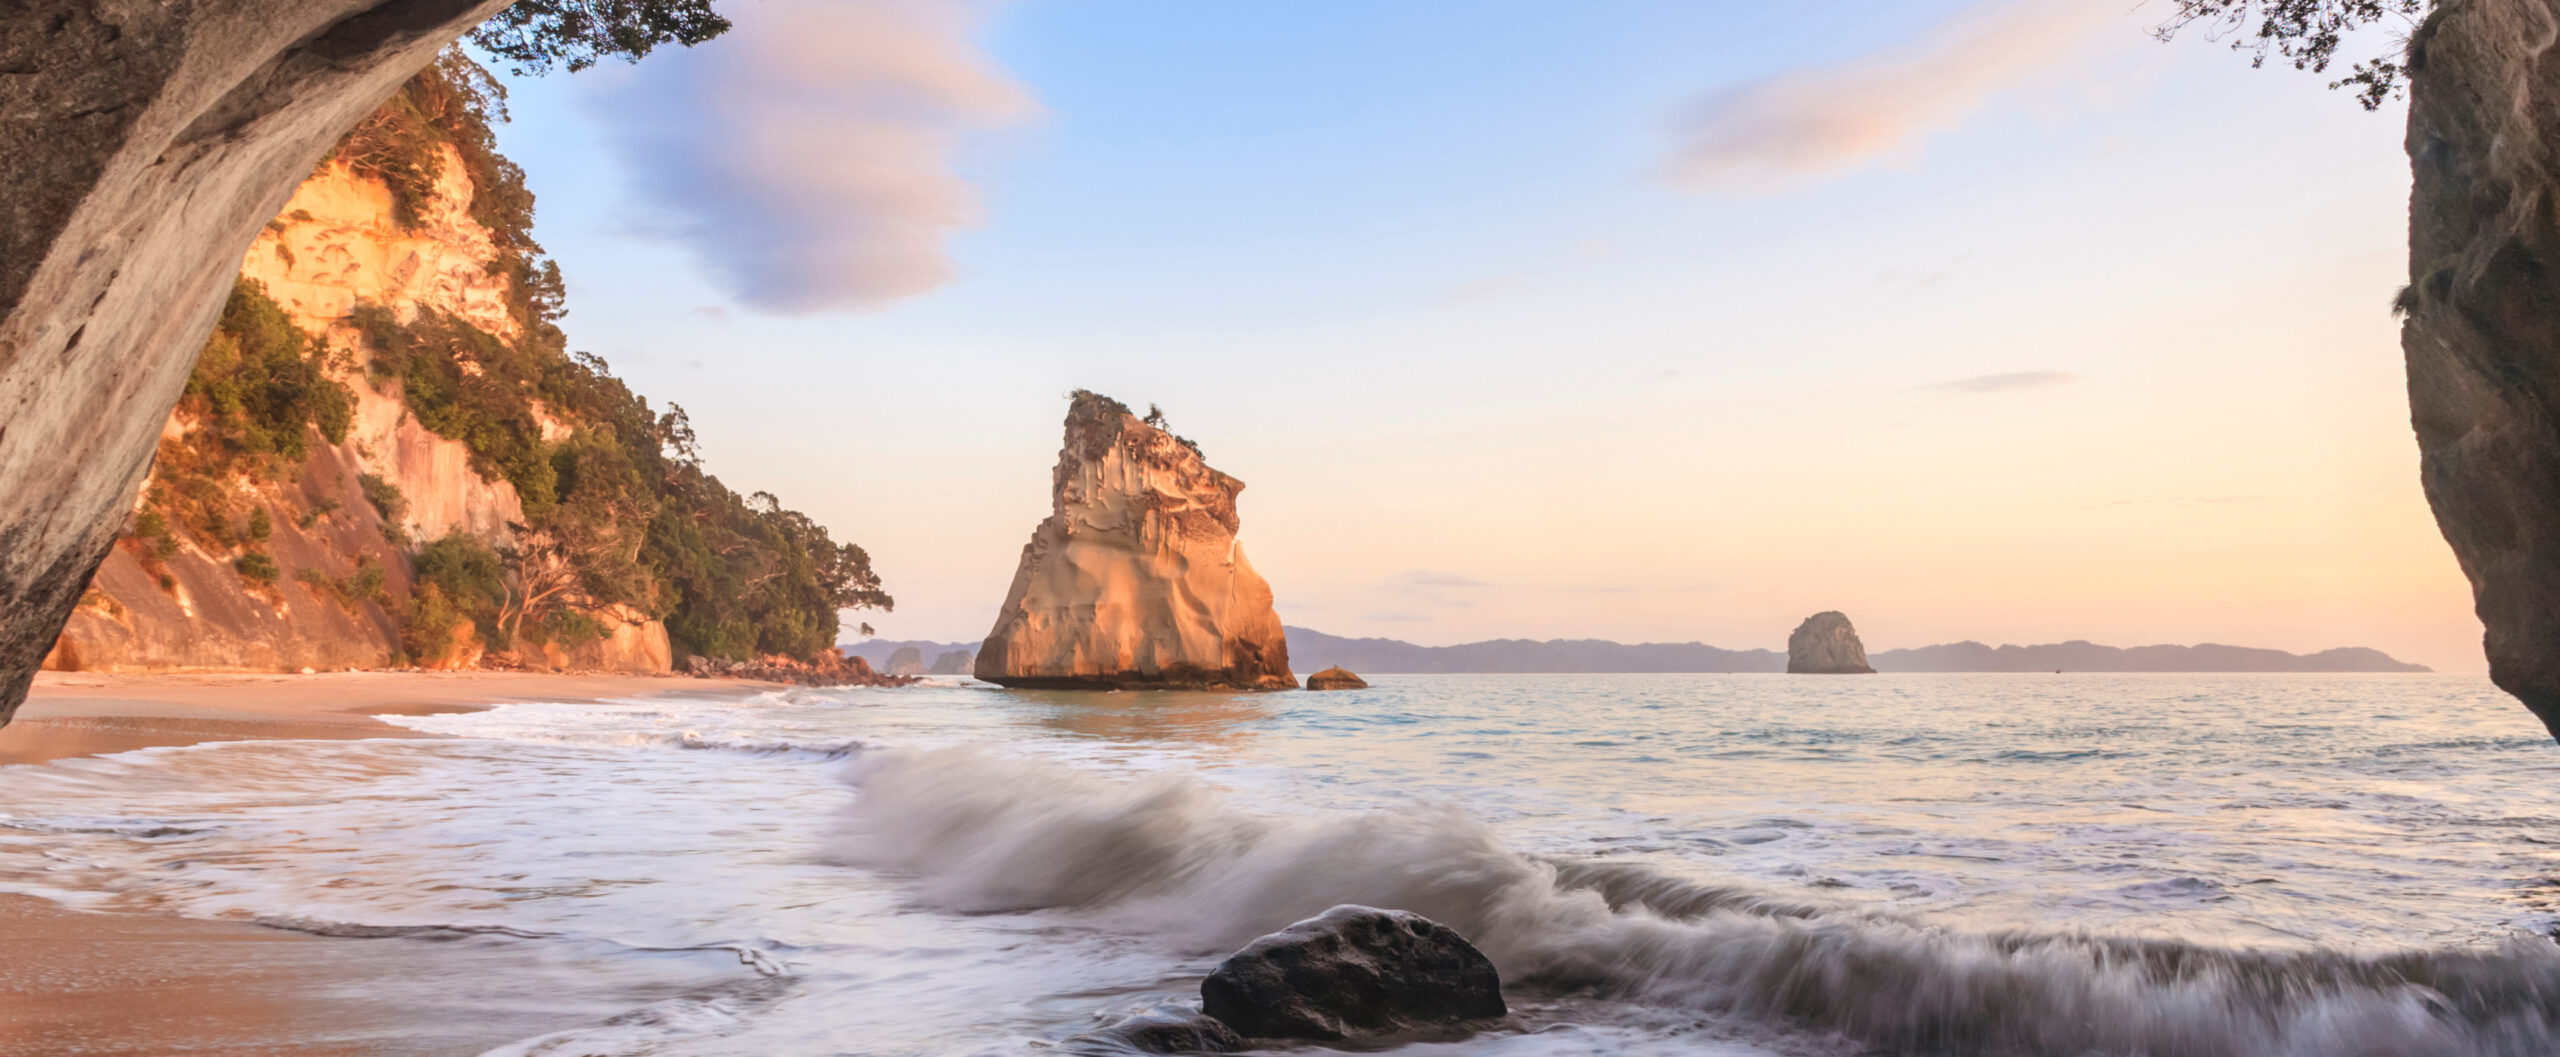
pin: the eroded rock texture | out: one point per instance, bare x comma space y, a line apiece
1825, 644
1135, 579
2483, 329
141, 147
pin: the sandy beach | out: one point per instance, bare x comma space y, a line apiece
75, 982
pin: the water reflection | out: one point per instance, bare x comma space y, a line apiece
1226, 721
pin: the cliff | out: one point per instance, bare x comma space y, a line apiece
145, 145
2482, 333
1135, 579
385, 456
1825, 644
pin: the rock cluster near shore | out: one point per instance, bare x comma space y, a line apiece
1350, 973
832, 668
1336, 678
1825, 644
1135, 580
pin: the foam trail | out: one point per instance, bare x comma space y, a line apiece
992, 834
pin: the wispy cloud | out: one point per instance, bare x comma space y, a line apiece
2005, 383
1824, 119
806, 156
1427, 580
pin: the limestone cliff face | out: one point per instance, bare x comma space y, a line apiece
145, 145
337, 244
2482, 335
1825, 644
1135, 579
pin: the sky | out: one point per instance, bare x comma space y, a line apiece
1667, 321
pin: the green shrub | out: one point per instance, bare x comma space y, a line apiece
383, 495
261, 525
257, 568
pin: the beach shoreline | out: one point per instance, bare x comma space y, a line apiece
113, 983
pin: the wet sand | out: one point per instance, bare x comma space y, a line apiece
86, 983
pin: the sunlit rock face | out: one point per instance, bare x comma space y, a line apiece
2483, 319
145, 145
1825, 644
1135, 580
337, 244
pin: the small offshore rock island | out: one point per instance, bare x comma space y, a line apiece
1135, 580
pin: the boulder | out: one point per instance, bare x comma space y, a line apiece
1135, 580
1336, 679
1351, 972
1825, 644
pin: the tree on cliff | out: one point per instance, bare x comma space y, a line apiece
535, 35
2308, 34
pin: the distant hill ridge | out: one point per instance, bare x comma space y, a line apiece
1389, 656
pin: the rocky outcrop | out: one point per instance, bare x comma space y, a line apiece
907, 661
1336, 678
336, 245
144, 146
954, 662
2482, 334
1825, 644
1135, 579
1353, 972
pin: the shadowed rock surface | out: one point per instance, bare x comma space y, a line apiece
2483, 330
145, 145
954, 662
1167, 1028
1135, 579
1336, 679
1825, 644
1351, 972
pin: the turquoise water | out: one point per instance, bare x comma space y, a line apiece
2047, 864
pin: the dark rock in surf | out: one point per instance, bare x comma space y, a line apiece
1164, 1029
1825, 644
1353, 971
1336, 679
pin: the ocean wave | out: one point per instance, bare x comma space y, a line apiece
984, 833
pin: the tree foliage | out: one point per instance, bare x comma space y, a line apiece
2307, 34
536, 35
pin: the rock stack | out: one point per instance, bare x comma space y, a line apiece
1825, 644
1135, 580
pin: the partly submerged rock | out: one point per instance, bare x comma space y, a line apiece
1336, 678
1135, 580
1825, 644
1167, 1028
1353, 971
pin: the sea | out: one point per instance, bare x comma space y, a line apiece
2048, 864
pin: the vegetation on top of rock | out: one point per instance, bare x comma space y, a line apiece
534, 35
2307, 34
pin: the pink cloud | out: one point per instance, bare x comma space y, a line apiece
1825, 119
806, 156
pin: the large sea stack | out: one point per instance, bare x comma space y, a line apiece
2483, 329
1825, 644
1135, 580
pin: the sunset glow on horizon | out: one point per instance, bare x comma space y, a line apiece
1527, 322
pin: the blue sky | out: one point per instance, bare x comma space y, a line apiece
1986, 320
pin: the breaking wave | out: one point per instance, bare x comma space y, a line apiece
989, 834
